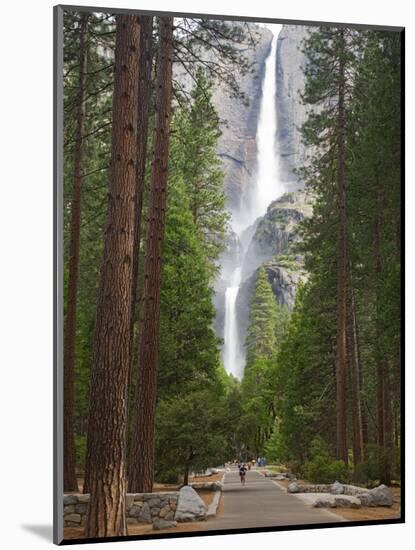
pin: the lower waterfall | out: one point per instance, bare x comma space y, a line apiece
267, 187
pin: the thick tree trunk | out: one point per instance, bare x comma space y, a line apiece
354, 368
396, 423
383, 404
107, 426
186, 475
365, 424
69, 459
341, 352
142, 448
144, 85
380, 358
144, 89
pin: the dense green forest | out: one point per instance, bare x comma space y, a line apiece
146, 397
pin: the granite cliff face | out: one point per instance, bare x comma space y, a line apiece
290, 110
271, 239
239, 118
237, 144
273, 245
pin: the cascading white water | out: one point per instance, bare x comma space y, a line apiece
231, 352
267, 188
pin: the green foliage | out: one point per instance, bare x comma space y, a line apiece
268, 322
189, 434
323, 468
275, 448
188, 346
257, 394
261, 337
80, 448
305, 403
194, 155
378, 461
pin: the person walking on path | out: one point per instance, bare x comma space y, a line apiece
242, 473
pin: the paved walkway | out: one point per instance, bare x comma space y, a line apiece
262, 503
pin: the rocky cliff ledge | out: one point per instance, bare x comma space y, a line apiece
273, 245
237, 144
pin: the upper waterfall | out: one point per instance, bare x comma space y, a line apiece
267, 185
266, 188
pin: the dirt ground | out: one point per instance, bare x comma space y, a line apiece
362, 514
379, 512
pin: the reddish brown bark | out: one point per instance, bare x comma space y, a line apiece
141, 472
107, 426
144, 90
144, 85
341, 353
380, 359
354, 369
69, 459
364, 411
383, 394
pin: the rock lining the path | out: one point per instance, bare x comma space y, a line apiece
338, 495
280, 476
213, 506
190, 506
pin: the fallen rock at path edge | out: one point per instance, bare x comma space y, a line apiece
347, 502
190, 507
332, 501
324, 503
379, 496
293, 488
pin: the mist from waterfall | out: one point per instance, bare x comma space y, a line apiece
267, 187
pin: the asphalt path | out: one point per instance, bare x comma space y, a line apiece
263, 503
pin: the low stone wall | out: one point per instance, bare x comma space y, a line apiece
141, 508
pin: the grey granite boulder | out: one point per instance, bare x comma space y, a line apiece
347, 502
353, 490
337, 488
293, 488
333, 501
366, 499
190, 506
324, 503
381, 496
